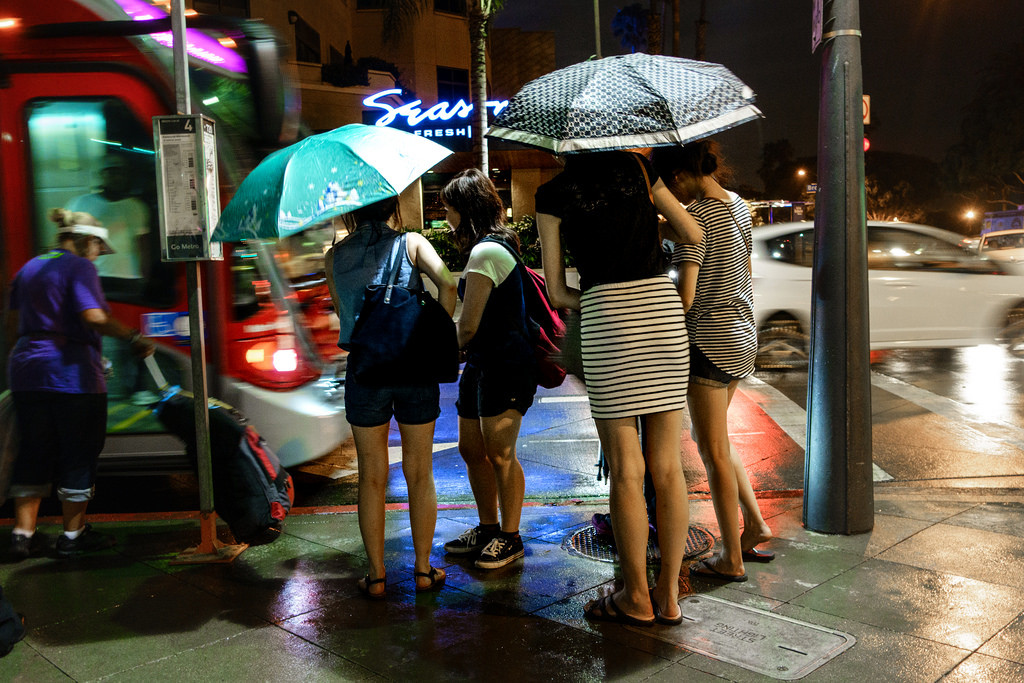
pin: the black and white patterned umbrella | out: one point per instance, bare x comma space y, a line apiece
635, 100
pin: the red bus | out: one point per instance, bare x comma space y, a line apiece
80, 81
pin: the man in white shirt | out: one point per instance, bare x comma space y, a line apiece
125, 217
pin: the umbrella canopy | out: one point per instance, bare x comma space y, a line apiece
635, 100
324, 176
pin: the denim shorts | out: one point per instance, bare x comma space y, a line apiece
703, 371
487, 393
60, 439
372, 406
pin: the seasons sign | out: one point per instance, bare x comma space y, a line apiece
446, 123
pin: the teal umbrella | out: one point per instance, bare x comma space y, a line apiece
324, 176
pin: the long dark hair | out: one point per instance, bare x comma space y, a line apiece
473, 195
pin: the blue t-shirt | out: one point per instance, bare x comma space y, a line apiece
56, 350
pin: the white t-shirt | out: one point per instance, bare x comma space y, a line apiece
125, 220
490, 259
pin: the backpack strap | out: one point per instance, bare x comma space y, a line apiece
396, 265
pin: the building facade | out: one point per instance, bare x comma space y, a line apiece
348, 71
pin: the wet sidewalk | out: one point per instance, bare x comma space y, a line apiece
937, 589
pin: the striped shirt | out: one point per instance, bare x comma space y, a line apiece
721, 320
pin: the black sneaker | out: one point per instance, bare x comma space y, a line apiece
501, 551
86, 542
471, 541
23, 547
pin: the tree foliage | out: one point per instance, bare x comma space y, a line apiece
892, 202
988, 161
631, 25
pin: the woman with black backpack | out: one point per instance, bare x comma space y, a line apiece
366, 257
500, 376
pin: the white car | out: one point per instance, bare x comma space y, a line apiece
1002, 245
924, 291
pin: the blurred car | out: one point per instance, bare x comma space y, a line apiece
924, 291
970, 242
1002, 245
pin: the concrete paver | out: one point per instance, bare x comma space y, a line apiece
934, 590
290, 610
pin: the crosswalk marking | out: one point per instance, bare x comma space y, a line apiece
790, 417
951, 410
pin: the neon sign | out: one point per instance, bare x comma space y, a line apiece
197, 43
415, 115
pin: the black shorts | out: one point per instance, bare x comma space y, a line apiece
60, 439
487, 393
704, 371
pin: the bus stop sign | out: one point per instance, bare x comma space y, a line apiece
187, 187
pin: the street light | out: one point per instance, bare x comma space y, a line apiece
970, 214
801, 172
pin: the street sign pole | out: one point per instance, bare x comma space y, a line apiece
209, 548
838, 493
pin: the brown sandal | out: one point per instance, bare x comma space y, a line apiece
364, 587
435, 582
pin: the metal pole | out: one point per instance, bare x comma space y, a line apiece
838, 494
195, 311
597, 28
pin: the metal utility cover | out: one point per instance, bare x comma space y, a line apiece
754, 639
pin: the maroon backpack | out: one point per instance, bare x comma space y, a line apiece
545, 325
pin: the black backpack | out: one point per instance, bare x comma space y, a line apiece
252, 493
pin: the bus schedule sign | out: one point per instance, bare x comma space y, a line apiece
187, 184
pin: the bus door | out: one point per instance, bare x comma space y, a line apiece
83, 142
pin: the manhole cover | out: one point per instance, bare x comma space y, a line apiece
586, 542
754, 639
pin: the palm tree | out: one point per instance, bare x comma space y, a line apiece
702, 32
480, 14
675, 28
397, 16
654, 14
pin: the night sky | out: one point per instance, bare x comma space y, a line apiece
920, 59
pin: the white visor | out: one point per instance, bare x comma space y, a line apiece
102, 233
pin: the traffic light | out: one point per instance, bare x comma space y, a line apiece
867, 143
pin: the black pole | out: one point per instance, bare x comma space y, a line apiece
838, 495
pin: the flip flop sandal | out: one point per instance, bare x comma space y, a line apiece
605, 609
435, 582
755, 555
663, 620
705, 570
364, 587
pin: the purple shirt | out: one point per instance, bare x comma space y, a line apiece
56, 350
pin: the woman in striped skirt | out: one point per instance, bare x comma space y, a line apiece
635, 354
715, 285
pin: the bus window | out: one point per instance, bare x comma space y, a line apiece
93, 155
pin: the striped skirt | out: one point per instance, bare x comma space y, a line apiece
636, 355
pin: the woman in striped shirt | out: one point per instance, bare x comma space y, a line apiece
715, 285
635, 355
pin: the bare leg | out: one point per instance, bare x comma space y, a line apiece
621, 445
372, 456
479, 470
418, 468
673, 505
26, 512
708, 411
755, 529
499, 435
